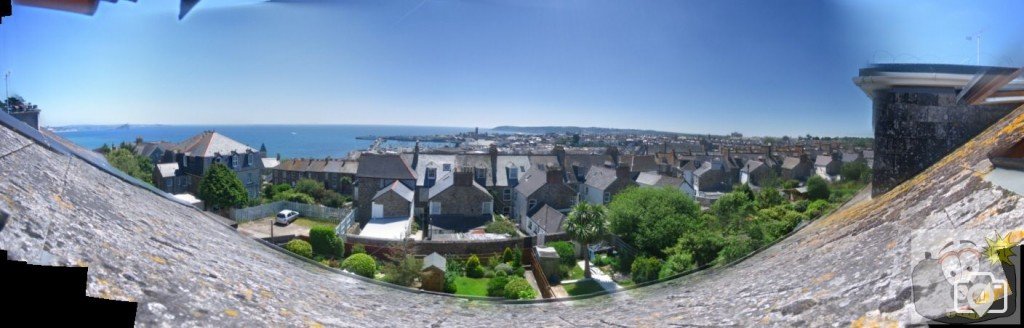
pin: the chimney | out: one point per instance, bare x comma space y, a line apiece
554, 175
138, 140
493, 152
559, 153
463, 177
622, 172
416, 155
614, 153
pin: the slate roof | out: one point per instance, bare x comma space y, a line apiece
822, 160
399, 188
706, 167
270, 162
520, 162
384, 167
167, 169
210, 143
431, 160
850, 157
533, 181
640, 163
447, 180
790, 162
653, 179
752, 165
600, 177
460, 223
549, 219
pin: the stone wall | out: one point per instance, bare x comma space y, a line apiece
425, 247
394, 205
462, 200
916, 127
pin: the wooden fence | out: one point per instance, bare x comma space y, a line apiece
271, 209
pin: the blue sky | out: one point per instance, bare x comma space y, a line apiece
758, 67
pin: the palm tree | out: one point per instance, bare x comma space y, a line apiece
587, 224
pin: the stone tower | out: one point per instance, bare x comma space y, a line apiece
923, 112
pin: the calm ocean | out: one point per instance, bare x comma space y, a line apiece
290, 141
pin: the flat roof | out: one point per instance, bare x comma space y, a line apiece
386, 228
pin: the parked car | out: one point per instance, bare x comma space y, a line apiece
286, 216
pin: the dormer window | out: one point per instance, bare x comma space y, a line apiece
431, 173
235, 161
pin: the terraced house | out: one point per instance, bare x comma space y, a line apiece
184, 165
336, 174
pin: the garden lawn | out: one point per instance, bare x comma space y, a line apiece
471, 286
582, 287
575, 273
310, 223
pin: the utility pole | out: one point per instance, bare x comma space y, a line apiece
7, 86
977, 38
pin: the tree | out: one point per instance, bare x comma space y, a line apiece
310, 187
645, 269
855, 171
404, 272
653, 218
361, 264
587, 223
502, 225
127, 161
473, 267
769, 197
221, 188
732, 209
566, 252
817, 188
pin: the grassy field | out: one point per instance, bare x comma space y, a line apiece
310, 222
582, 287
471, 286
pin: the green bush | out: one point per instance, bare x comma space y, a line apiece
501, 225
790, 184
449, 282
294, 196
361, 264
769, 197
326, 242
404, 272
473, 267
566, 252
733, 248
645, 269
677, 263
358, 249
817, 208
519, 288
503, 268
299, 246
855, 171
507, 256
496, 286
817, 188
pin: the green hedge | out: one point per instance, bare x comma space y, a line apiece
361, 264
473, 267
645, 269
299, 246
566, 252
325, 242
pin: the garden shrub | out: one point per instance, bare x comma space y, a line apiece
645, 269
473, 267
519, 288
299, 246
449, 282
361, 264
734, 247
677, 263
816, 208
503, 268
507, 256
326, 242
566, 252
496, 286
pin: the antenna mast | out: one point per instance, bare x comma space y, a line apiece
977, 38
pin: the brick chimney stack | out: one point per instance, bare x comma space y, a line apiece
554, 175
622, 172
463, 177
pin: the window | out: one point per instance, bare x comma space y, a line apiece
607, 197
488, 207
182, 182
506, 195
184, 161
513, 173
533, 202
235, 161
431, 173
446, 167
480, 173
169, 182
507, 211
435, 208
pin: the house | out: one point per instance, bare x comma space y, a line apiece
432, 272
429, 168
542, 188
603, 183
375, 172
458, 204
754, 172
827, 167
796, 168
152, 150
269, 164
640, 163
391, 212
193, 157
711, 176
546, 220
655, 180
336, 174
